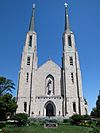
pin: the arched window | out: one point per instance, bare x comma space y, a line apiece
39, 113
69, 41
71, 60
25, 106
74, 107
49, 85
86, 112
72, 78
50, 108
27, 77
28, 60
59, 113
30, 41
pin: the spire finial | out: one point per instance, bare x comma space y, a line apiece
66, 5
31, 27
33, 6
67, 27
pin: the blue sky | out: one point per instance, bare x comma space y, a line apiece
49, 25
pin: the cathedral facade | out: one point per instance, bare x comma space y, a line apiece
50, 90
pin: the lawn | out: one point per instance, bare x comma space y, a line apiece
41, 129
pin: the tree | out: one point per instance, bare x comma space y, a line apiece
7, 101
96, 111
7, 106
22, 119
85, 101
6, 85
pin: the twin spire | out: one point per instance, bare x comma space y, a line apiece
31, 26
67, 25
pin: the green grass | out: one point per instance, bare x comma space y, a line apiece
41, 129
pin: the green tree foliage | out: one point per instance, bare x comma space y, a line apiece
22, 119
7, 101
96, 111
7, 106
6, 85
85, 101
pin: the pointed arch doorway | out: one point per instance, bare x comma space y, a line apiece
50, 108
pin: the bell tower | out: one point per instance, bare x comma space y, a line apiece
72, 82
28, 67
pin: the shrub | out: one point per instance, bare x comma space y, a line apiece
66, 121
36, 121
95, 130
98, 123
41, 121
2, 125
86, 123
52, 121
86, 117
21, 118
76, 119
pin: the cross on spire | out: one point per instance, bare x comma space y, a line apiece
33, 6
65, 4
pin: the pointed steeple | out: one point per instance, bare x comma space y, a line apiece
31, 26
67, 25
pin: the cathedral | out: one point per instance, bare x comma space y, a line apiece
50, 90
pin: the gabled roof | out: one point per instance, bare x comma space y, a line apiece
49, 63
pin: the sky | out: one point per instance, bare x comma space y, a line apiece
84, 18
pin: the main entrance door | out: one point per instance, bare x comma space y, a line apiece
50, 109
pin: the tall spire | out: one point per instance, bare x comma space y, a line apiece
67, 26
31, 26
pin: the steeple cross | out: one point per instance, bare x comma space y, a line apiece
33, 6
66, 5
